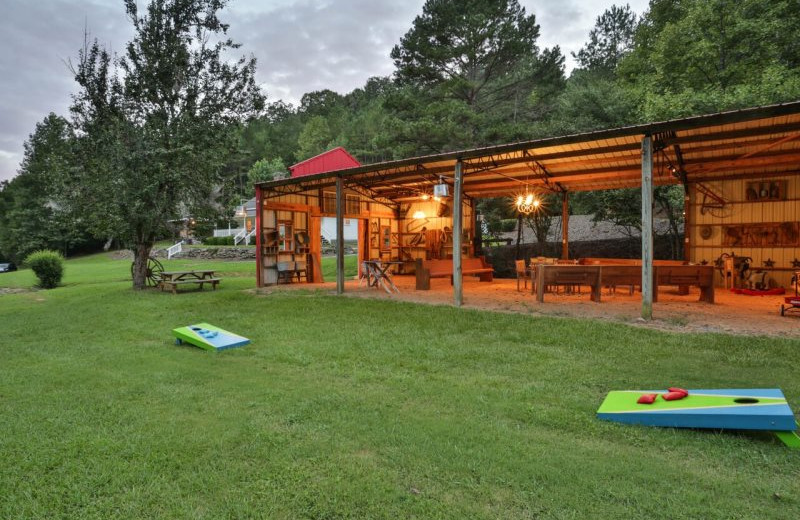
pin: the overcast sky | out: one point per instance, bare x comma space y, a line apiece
301, 45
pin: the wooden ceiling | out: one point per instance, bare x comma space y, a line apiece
756, 142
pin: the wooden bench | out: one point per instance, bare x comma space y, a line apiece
173, 284
597, 276
427, 269
682, 289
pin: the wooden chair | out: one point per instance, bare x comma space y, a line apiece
522, 272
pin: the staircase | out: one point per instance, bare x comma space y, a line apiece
243, 236
174, 249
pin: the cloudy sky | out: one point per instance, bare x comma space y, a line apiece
301, 45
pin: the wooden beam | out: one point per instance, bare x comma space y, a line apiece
565, 225
339, 236
458, 293
647, 228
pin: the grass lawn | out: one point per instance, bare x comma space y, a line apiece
352, 408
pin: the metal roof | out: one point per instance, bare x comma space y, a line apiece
761, 141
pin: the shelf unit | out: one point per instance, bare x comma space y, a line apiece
279, 244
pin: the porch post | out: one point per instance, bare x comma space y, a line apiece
339, 236
259, 266
647, 228
457, 233
687, 224
565, 226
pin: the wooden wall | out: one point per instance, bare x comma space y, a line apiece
383, 234
751, 223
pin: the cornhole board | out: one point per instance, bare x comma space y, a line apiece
721, 409
208, 337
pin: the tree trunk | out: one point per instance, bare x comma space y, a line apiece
141, 255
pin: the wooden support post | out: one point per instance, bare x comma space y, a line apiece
457, 234
477, 230
565, 226
259, 261
687, 224
339, 236
647, 228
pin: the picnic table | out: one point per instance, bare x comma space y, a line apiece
376, 273
172, 279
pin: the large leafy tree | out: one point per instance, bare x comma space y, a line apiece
698, 56
157, 125
472, 74
29, 218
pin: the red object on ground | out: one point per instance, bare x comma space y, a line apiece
753, 292
647, 398
673, 396
675, 389
332, 160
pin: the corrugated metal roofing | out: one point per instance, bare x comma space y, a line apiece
759, 141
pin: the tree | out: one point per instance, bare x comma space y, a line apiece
609, 41
471, 74
155, 133
315, 138
705, 56
29, 219
266, 170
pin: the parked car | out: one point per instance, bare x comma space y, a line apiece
6, 267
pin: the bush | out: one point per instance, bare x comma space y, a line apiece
218, 241
48, 267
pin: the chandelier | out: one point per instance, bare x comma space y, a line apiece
527, 203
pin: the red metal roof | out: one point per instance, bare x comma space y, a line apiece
332, 160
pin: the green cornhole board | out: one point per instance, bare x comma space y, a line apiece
208, 337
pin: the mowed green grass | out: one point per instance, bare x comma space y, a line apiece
351, 408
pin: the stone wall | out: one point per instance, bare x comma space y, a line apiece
212, 253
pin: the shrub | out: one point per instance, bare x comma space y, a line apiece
218, 241
48, 267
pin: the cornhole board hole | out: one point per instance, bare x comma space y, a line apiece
208, 337
763, 409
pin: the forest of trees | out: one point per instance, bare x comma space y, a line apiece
471, 73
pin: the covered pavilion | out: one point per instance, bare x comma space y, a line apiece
739, 170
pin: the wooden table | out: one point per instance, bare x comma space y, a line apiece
376, 273
173, 279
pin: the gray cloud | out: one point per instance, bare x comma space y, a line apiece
301, 45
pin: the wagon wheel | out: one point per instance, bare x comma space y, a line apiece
154, 270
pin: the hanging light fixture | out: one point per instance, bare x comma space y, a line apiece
526, 203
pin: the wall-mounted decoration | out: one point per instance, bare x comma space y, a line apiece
770, 234
765, 190
706, 232
386, 238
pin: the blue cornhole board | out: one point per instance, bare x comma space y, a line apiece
763, 409
208, 337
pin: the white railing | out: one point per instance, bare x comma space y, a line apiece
227, 232
249, 236
240, 236
174, 249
